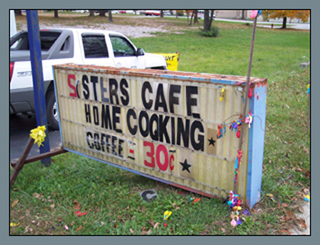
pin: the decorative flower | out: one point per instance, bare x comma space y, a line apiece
38, 134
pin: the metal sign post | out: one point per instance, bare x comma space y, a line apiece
37, 76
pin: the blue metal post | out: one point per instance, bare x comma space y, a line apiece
256, 143
37, 77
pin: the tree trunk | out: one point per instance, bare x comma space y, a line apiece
102, 13
161, 13
242, 15
110, 15
91, 13
206, 24
17, 12
56, 14
211, 18
195, 17
176, 13
284, 24
191, 19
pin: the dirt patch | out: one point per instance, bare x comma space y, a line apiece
131, 26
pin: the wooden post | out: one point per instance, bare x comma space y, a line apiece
21, 161
247, 88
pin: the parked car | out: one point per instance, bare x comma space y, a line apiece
59, 46
152, 12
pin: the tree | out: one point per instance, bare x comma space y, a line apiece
195, 17
303, 15
56, 14
242, 15
18, 12
110, 15
208, 17
188, 12
161, 13
91, 13
102, 13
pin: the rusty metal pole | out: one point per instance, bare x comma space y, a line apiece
21, 161
247, 87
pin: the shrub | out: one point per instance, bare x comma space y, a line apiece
214, 31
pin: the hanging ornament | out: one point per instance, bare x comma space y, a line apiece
250, 92
222, 94
249, 119
221, 130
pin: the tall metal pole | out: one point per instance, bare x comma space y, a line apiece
247, 86
37, 77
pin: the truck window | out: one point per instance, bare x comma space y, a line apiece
94, 46
47, 39
121, 47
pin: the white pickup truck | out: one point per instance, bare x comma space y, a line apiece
60, 46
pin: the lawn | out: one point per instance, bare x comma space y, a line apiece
44, 200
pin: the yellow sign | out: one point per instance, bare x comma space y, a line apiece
172, 60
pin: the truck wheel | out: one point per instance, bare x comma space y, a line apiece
52, 110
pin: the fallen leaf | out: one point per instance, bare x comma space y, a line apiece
36, 195
131, 231
75, 201
151, 222
156, 225
307, 174
79, 228
14, 202
52, 205
287, 106
173, 204
178, 207
96, 209
15, 189
303, 223
79, 214
115, 225
72, 223
284, 205
222, 229
143, 228
127, 208
149, 231
59, 219
119, 217
144, 233
77, 206
143, 209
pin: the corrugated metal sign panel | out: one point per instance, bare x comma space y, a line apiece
160, 124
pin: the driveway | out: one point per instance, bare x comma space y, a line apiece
20, 126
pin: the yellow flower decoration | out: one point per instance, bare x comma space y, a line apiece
166, 214
38, 134
221, 94
14, 224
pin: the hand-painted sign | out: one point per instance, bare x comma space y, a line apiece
172, 60
159, 124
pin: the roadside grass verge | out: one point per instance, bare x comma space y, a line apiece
48, 197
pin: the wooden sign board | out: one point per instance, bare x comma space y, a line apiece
160, 124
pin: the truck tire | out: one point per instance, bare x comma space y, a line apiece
52, 110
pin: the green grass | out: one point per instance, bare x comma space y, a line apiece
111, 195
